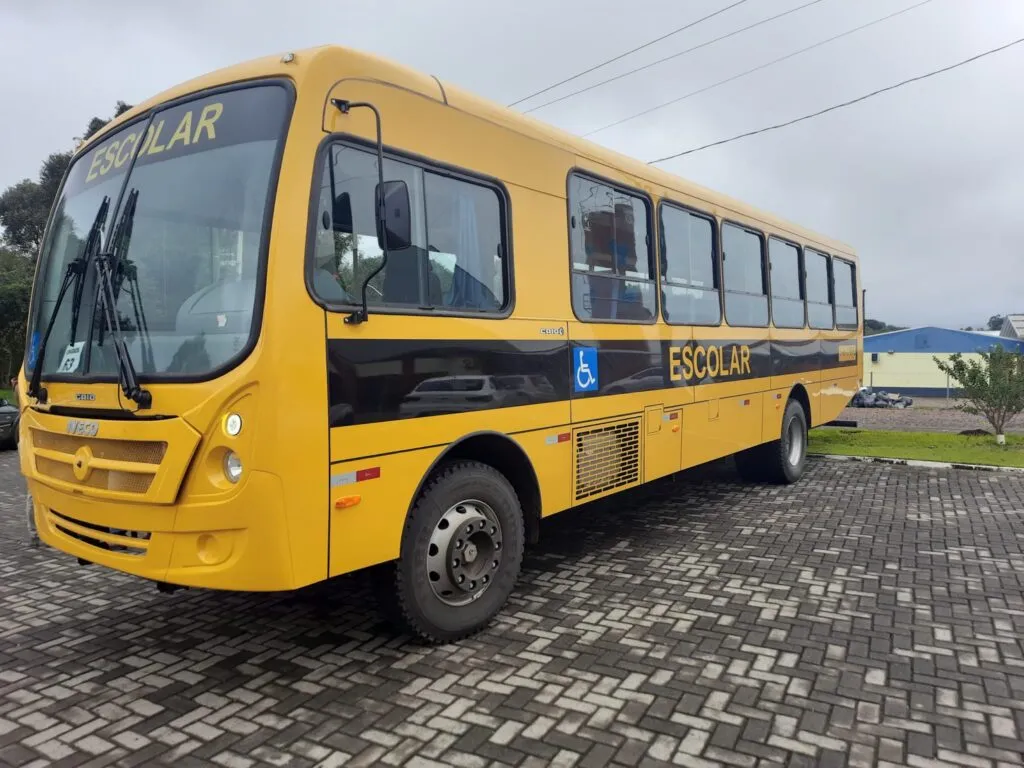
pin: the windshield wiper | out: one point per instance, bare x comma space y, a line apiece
124, 269
127, 377
75, 273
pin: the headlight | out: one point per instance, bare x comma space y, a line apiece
233, 424
232, 467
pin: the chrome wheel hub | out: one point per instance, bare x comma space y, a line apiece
464, 552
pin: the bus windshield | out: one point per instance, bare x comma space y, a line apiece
185, 279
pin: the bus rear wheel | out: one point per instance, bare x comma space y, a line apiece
781, 461
461, 553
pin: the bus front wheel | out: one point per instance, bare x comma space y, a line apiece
781, 461
461, 552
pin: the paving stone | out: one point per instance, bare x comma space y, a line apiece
868, 615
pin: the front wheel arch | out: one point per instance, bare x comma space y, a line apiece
502, 452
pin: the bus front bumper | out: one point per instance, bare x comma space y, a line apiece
241, 544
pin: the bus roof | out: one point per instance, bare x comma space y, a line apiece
312, 64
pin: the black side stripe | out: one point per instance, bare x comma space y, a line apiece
377, 380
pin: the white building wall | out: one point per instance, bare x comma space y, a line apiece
909, 373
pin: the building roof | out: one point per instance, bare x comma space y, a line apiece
931, 339
1013, 327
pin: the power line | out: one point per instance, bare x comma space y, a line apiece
627, 53
673, 56
758, 68
840, 106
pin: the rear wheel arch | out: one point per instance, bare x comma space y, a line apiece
799, 393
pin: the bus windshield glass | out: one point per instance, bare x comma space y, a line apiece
198, 176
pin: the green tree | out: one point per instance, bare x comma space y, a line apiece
992, 387
871, 327
995, 323
25, 206
15, 288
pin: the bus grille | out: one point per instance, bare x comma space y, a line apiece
129, 466
125, 542
607, 458
141, 451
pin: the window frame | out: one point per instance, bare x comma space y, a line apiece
829, 287
765, 276
800, 278
835, 299
716, 258
653, 257
426, 164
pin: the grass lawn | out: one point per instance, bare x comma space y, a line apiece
6, 394
927, 446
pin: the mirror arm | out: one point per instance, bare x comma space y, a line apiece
344, 106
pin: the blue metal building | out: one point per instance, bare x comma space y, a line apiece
904, 361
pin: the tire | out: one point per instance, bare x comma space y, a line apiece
434, 550
784, 462
773, 462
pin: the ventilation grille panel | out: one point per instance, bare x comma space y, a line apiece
607, 457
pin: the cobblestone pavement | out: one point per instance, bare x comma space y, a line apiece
927, 418
871, 615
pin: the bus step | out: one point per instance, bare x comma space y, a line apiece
841, 423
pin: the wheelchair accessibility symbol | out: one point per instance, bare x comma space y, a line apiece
584, 369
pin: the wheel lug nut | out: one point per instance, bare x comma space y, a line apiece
461, 579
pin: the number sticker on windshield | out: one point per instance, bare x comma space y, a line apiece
69, 363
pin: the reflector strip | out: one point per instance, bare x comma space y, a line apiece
564, 437
367, 474
347, 478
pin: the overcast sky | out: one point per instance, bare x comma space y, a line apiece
926, 182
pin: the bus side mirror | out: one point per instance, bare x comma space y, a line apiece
396, 225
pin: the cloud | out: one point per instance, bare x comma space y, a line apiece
924, 182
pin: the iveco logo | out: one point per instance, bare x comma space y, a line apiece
85, 397
83, 428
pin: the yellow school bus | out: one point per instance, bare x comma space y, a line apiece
319, 312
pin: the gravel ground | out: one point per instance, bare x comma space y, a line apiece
925, 415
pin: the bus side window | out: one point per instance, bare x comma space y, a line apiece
612, 270
746, 289
689, 291
464, 222
845, 292
819, 304
456, 257
787, 296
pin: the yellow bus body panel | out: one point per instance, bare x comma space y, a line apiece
317, 500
